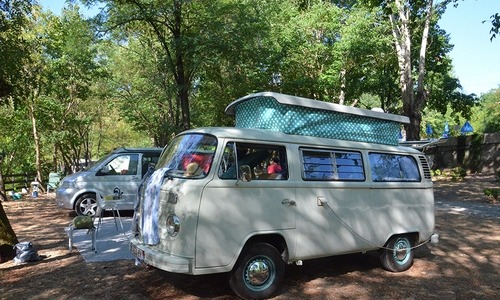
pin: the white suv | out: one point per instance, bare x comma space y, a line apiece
119, 172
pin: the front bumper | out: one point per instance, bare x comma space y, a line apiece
160, 260
64, 198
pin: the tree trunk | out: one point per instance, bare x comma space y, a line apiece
8, 238
342, 87
3, 196
36, 139
421, 97
412, 105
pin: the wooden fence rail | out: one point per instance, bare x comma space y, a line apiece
16, 182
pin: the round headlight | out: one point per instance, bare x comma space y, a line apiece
173, 225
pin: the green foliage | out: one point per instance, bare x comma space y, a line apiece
14, 16
487, 114
436, 173
492, 193
495, 25
159, 64
458, 173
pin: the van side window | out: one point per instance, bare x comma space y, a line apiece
393, 167
146, 162
332, 165
260, 161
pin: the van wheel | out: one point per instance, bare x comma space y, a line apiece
86, 205
259, 273
398, 254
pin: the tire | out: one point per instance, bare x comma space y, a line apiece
398, 255
259, 272
86, 205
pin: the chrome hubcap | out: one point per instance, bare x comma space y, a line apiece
87, 207
401, 250
258, 272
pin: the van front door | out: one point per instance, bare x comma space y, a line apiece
120, 177
239, 204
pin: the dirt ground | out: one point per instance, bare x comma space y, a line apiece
464, 265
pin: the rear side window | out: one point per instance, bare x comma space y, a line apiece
331, 165
393, 167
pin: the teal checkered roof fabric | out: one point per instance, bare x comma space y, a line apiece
265, 112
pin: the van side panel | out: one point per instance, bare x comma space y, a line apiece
398, 208
231, 212
337, 226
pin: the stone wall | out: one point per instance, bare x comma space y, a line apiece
478, 153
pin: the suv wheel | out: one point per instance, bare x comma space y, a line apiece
86, 205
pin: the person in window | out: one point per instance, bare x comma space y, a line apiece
193, 169
274, 166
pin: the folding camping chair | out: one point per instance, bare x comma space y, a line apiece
83, 222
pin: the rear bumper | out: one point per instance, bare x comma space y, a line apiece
434, 238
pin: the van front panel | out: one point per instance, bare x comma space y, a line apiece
167, 215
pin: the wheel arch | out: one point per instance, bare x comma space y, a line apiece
274, 239
413, 236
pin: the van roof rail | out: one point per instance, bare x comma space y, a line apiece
424, 144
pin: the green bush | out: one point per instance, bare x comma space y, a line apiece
492, 193
458, 173
436, 172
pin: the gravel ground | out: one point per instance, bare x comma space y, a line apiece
464, 265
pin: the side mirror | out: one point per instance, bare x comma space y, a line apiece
105, 169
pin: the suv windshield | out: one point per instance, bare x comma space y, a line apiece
93, 165
189, 155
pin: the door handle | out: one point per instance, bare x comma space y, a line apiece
288, 202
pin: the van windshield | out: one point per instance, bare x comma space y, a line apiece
189, 156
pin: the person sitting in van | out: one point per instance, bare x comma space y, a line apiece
274, 166
203, 160
259, 170
193, 169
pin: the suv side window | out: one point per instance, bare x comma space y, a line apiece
393, 167
332, 165
122, 165
260, 161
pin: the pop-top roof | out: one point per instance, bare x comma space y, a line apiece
307, 117
316, 104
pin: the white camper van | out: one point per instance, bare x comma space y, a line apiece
248, 201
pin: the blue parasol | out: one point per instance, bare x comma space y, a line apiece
467, 128
428, 129
446, 130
